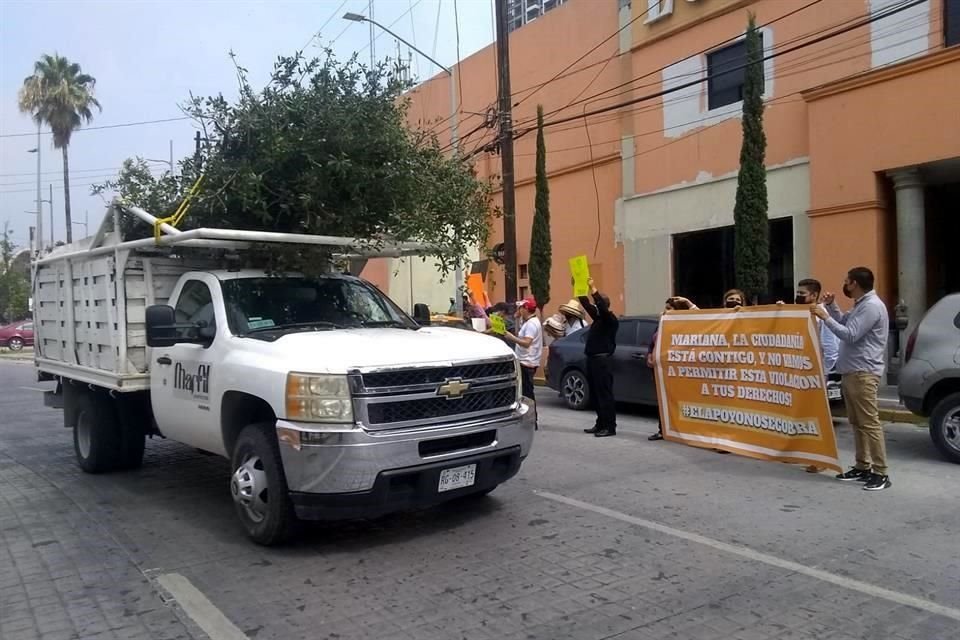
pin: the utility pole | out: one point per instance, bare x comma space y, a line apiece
196, 153
50, 201
171, 157
373, 51
506, 153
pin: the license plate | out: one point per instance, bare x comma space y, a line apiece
457, 478
833, 393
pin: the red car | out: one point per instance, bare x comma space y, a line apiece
17, 335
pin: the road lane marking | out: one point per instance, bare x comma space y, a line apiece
196, 605
758, 556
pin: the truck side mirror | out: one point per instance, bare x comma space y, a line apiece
163, 330
421, 313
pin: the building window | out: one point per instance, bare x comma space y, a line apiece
657, 9
725, 73
951, 23
524, 292
524, 272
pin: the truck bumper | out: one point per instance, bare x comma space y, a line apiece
356, 473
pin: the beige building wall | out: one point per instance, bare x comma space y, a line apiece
646, 223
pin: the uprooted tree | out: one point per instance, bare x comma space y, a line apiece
324, 148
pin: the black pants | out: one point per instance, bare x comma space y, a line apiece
600, 378
526, 382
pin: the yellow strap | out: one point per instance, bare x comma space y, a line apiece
181, 211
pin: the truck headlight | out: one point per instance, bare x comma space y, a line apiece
318, 398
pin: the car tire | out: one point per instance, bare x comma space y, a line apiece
945, 427
15, 344
96, 434
575, 390
259, 488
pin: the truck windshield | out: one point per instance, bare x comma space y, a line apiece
265, 305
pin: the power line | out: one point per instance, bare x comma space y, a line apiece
686, 85
72, 170
594, 48
698, 53
800, 65
324, 26
106, 126
399, 18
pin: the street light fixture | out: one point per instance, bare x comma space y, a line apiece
454, 141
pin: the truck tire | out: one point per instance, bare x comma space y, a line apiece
96, 434
945, 427
259, 488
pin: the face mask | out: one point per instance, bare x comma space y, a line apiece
800, 300
732, 304
846, 291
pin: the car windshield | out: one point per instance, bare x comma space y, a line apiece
275, 305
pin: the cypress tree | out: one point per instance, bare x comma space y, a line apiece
751, 231
541, 251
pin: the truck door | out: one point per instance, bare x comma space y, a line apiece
183, 377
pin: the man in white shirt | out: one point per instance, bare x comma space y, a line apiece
528, 344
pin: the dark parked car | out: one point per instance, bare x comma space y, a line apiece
16, 336
632, 379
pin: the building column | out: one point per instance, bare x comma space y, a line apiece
911, 243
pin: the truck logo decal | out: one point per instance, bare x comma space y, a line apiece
453, 388
193, 385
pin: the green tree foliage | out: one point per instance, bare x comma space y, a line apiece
14, 284
59, 95
541, 251
324, 148
752, 242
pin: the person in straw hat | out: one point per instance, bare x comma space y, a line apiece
574, 316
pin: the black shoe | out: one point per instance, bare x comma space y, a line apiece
854, 474
655, 437
591, 430
877, 482
604, 433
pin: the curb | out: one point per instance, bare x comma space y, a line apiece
886, 414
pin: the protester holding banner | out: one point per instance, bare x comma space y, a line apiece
680, 304
600, 346
863, 345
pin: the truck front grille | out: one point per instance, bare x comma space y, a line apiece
410, 398
437, 375
430, 408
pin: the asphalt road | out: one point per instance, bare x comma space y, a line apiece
595, 539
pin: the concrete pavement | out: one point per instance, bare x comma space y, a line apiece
595, 539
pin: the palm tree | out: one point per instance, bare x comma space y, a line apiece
59, 95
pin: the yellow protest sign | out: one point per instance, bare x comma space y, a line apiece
580, 270
748, 381
497, 324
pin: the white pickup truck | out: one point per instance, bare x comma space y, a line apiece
328, 400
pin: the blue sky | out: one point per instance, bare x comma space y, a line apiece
147, 56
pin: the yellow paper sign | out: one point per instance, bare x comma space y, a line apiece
497, 324
749, 382
580, 270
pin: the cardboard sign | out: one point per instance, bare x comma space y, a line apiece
475, 287
580, 270
498, 325
748, 381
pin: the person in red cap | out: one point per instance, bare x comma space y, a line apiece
528, 344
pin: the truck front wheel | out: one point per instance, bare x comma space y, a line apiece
96, 434
259, 488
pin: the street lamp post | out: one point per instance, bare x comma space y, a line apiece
169, 162
454, 140
39, 235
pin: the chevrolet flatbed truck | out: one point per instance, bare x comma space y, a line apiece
328, 400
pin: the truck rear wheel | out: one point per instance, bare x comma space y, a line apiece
259, 488
96, 434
